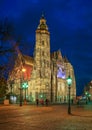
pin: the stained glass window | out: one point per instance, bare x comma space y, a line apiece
61, 72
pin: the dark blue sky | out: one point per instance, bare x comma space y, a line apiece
70, 26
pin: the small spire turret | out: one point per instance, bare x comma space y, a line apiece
42, 25
42, 16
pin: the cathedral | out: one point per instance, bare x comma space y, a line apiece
44, 75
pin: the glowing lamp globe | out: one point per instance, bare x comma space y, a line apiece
69, 80
25, 85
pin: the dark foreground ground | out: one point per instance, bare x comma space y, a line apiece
53, 117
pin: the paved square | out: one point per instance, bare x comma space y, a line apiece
53, 117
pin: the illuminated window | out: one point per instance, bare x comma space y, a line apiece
60, 72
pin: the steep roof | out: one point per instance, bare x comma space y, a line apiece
56, 54
28, 60
65, 59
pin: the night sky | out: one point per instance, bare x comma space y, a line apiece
70, 26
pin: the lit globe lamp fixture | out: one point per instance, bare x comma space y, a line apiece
23, 69
88, 95
69, 82
25, 86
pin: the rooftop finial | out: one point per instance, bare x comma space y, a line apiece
42, 25
42, 15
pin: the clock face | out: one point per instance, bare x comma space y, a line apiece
61, 72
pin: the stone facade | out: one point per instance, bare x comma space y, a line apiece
45, 73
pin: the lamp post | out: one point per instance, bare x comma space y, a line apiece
21, 82
25, 86
20, 96
69, 82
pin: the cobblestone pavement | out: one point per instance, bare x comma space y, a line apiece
54, 117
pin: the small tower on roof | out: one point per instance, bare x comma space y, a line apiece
42, 25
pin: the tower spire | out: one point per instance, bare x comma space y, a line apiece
42, 15
42, 25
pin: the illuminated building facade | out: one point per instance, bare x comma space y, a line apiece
45, 73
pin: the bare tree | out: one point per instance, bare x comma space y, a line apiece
7, 53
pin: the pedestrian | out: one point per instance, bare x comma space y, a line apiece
37, 101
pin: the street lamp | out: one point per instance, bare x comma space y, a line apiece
69, 82
25, 86
20, 96
21, 81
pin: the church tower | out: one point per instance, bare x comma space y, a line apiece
42, 60
45, 73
